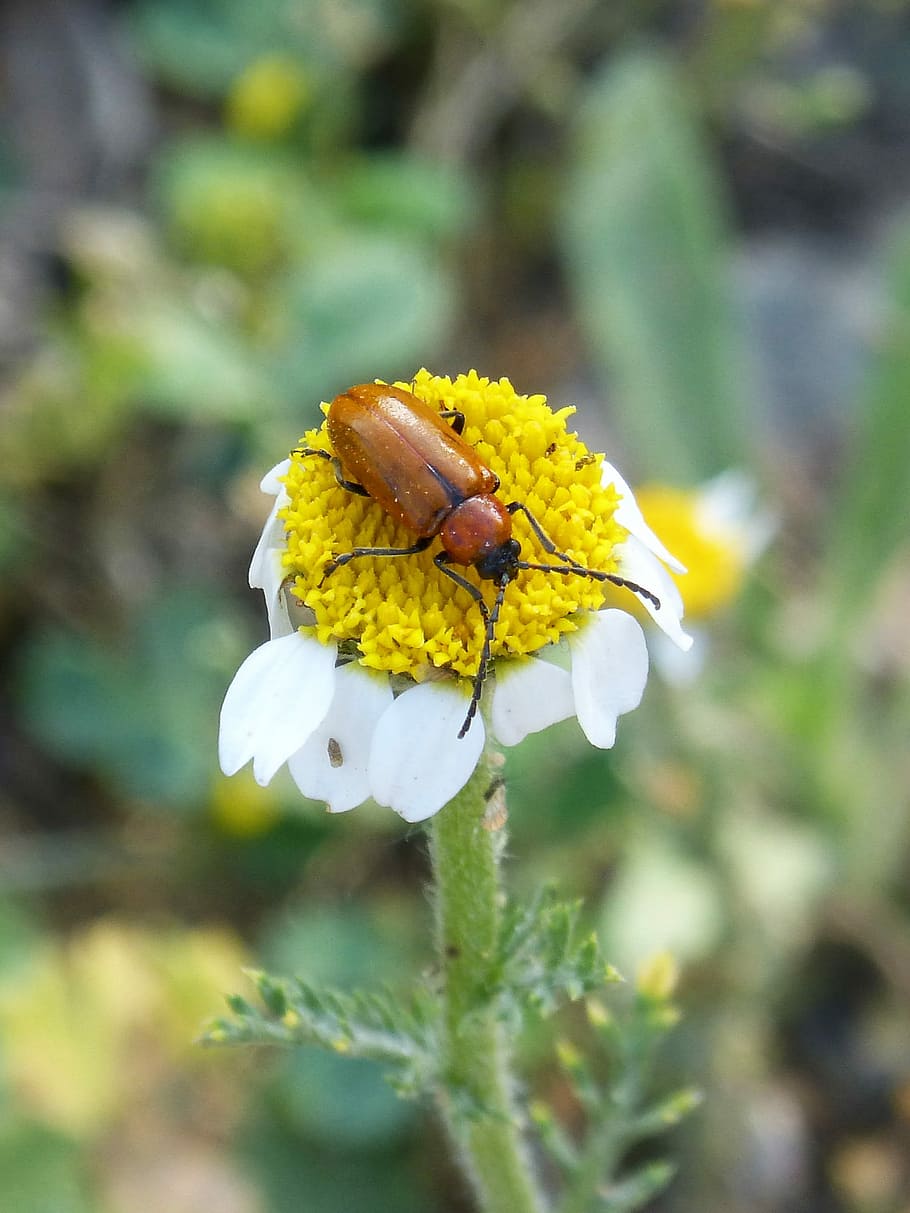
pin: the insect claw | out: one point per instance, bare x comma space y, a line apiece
330, 568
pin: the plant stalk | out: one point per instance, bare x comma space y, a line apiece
478, 1092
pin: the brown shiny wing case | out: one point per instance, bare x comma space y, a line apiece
405, 455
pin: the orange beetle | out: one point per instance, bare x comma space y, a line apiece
391, 446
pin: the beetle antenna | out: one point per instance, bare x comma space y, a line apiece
580, 571
492, 618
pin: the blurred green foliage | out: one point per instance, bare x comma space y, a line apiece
335, 192
869, 527
144, 717
646, 254
43, 1171
201, 46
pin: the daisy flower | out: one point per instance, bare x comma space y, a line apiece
719, 529
366, 680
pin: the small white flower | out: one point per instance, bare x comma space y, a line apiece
346, 736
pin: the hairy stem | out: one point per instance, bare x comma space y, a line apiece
477, 1097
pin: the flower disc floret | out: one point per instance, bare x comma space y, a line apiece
403, 615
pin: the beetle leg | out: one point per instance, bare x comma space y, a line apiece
338, 562
490, 618
545, 541
579, 570
457, 419
570, 566
441, 560
350, 485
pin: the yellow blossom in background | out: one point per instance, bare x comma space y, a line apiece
91, 1023
716, 565
240, 807
267, 98
658, 977
717, 530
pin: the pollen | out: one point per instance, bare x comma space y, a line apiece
716, 558
401, 614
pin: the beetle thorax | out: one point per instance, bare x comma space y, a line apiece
476, 531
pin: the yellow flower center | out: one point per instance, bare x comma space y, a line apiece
402, 613
716, 563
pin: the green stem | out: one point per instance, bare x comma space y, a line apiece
478, 1094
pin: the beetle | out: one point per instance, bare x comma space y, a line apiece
390, 446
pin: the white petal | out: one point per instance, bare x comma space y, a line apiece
360, 699
638, 565
278, 697
728, 508
609, 672
272, 539
271, 482
630, 516
418, 762
273, 577
677, 666
529, 695
759, 531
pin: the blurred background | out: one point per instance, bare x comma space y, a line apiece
691, 219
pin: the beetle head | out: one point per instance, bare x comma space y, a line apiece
501, 563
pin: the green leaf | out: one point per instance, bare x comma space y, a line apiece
873, 504
19, 939
61, 412
41, 1172
407, 194
143, 713
619, 1118
342, 1101
199, 45
192, 367
666, 1115
637, 1189
363, 306
13, 534
234, 204
202, 45
555, 1140
295, 1175
544, 958
340, 945
363, 1024
645, 241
